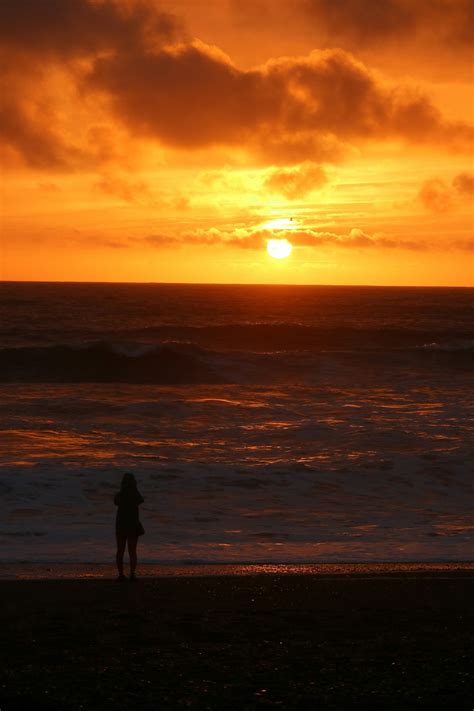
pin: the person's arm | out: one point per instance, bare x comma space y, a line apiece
140, 499
116, 499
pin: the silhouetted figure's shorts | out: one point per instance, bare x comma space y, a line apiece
127, 529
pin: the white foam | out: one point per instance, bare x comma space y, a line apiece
239, 473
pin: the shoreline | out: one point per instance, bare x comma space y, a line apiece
103, 571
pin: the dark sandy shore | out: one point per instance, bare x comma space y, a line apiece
367, 641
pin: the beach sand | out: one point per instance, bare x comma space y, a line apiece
381, 640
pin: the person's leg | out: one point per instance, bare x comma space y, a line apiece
132, 552
121, 541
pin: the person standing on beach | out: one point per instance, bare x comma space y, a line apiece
127, 524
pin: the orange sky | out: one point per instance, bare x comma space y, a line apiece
148, 140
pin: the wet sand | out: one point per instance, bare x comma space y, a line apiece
329, 641
73, 571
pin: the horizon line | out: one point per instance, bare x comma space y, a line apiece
263, 284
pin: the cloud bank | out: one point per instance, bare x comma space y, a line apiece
125, 66
257, 238
192, 96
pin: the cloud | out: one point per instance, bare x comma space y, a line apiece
464, 244
257, 238
295, 183
438, 196
27, 131
356, 21
196, 237
70, 29
45, 47
305, 238
134, 191
464, 184
192, 97
108, 243
138, 192
48, 187
428, 38
355, 239
74, 66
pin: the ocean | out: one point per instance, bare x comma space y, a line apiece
264, 424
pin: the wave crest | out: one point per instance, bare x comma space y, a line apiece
177, 363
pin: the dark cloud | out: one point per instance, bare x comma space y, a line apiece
426, 38
27, 132
362, 19
295, 183
369, 22
75, 28
38, 39
189, 96
288, 147
194, 97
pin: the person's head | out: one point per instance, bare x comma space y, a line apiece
128, 482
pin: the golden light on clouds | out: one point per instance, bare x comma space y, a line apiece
280, 223
150, 140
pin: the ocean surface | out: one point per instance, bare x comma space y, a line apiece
264, 424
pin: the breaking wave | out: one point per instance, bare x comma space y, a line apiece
191, 363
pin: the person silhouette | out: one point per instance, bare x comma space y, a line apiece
127, 524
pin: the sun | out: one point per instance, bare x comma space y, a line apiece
279, 248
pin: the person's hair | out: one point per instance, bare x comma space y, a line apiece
128, 482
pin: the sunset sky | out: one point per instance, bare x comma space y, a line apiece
170, 140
